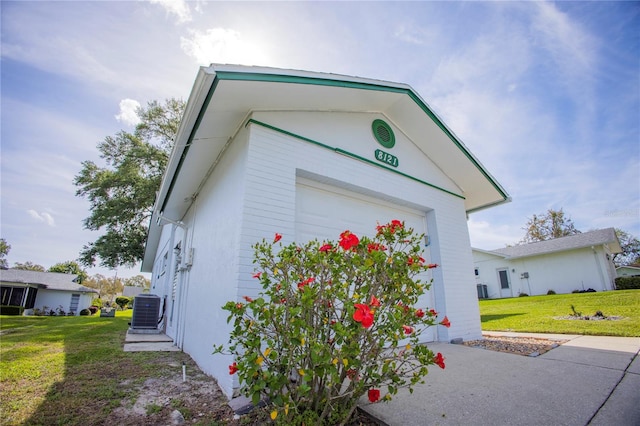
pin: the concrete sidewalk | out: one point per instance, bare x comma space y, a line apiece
589, 380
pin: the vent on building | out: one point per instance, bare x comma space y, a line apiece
383, 133
146, 308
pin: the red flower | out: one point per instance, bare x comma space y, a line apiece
302, 284
432, 265
257, 275
405, 307
392, 226
363, 315
445, 322
277, 237
352, 373
419, 313
439, 360
348, 240
374, 301
419, 260
374, 395
433, 312
325, 248
247, 298
233, 368
375, 247
407, 329
239, 305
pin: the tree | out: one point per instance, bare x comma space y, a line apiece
138, 281
70, 267
630, 249
547, 226
122, 193
29, 266
4, 251
107, 287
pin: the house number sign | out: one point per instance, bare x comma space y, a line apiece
385, 157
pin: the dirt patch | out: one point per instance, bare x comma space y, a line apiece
527, 346
588, 318
165, 399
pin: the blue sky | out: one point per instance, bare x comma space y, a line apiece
546, 95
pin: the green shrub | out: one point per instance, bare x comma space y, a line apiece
97, 302
334, 322
123, 301
523, 295
11, 310
550, 292
628, 283
85, 312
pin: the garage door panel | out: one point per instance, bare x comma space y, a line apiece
324, 213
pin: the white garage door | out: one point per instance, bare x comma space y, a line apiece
324, 212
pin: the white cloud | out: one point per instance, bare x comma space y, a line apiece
128, 114
179, 8
223, 45
42, 217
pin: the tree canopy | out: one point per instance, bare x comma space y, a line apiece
4, 251
138, 281
29, 266
122, 193
630, 249
107, 287
70, 267
547, 226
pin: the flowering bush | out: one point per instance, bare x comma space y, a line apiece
334, 322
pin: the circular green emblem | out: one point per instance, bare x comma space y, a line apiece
383, 133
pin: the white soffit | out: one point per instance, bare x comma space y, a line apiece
228, 94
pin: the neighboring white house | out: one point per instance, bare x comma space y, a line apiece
576, 262
306, 155
627, 271
33, 289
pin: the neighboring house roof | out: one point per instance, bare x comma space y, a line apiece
45, 280
571, 242
224, 96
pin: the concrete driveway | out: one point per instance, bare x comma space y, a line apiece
589, 380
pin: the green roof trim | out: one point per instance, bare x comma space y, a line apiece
349, 154
196, 125
279, 78
318, 81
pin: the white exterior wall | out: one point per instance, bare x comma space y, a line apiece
251, 195
562, 272
213, 232
55, 298
276, 159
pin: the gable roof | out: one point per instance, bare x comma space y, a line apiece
44, 280
224, 96
571, 242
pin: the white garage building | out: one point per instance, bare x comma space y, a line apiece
307, 155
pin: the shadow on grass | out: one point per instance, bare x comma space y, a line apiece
95, 367
488, 318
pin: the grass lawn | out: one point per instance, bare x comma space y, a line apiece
536, 313
67, 370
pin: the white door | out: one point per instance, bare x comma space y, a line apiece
324, 212
505, 285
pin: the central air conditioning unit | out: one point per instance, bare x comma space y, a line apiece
146, 308
482, 291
